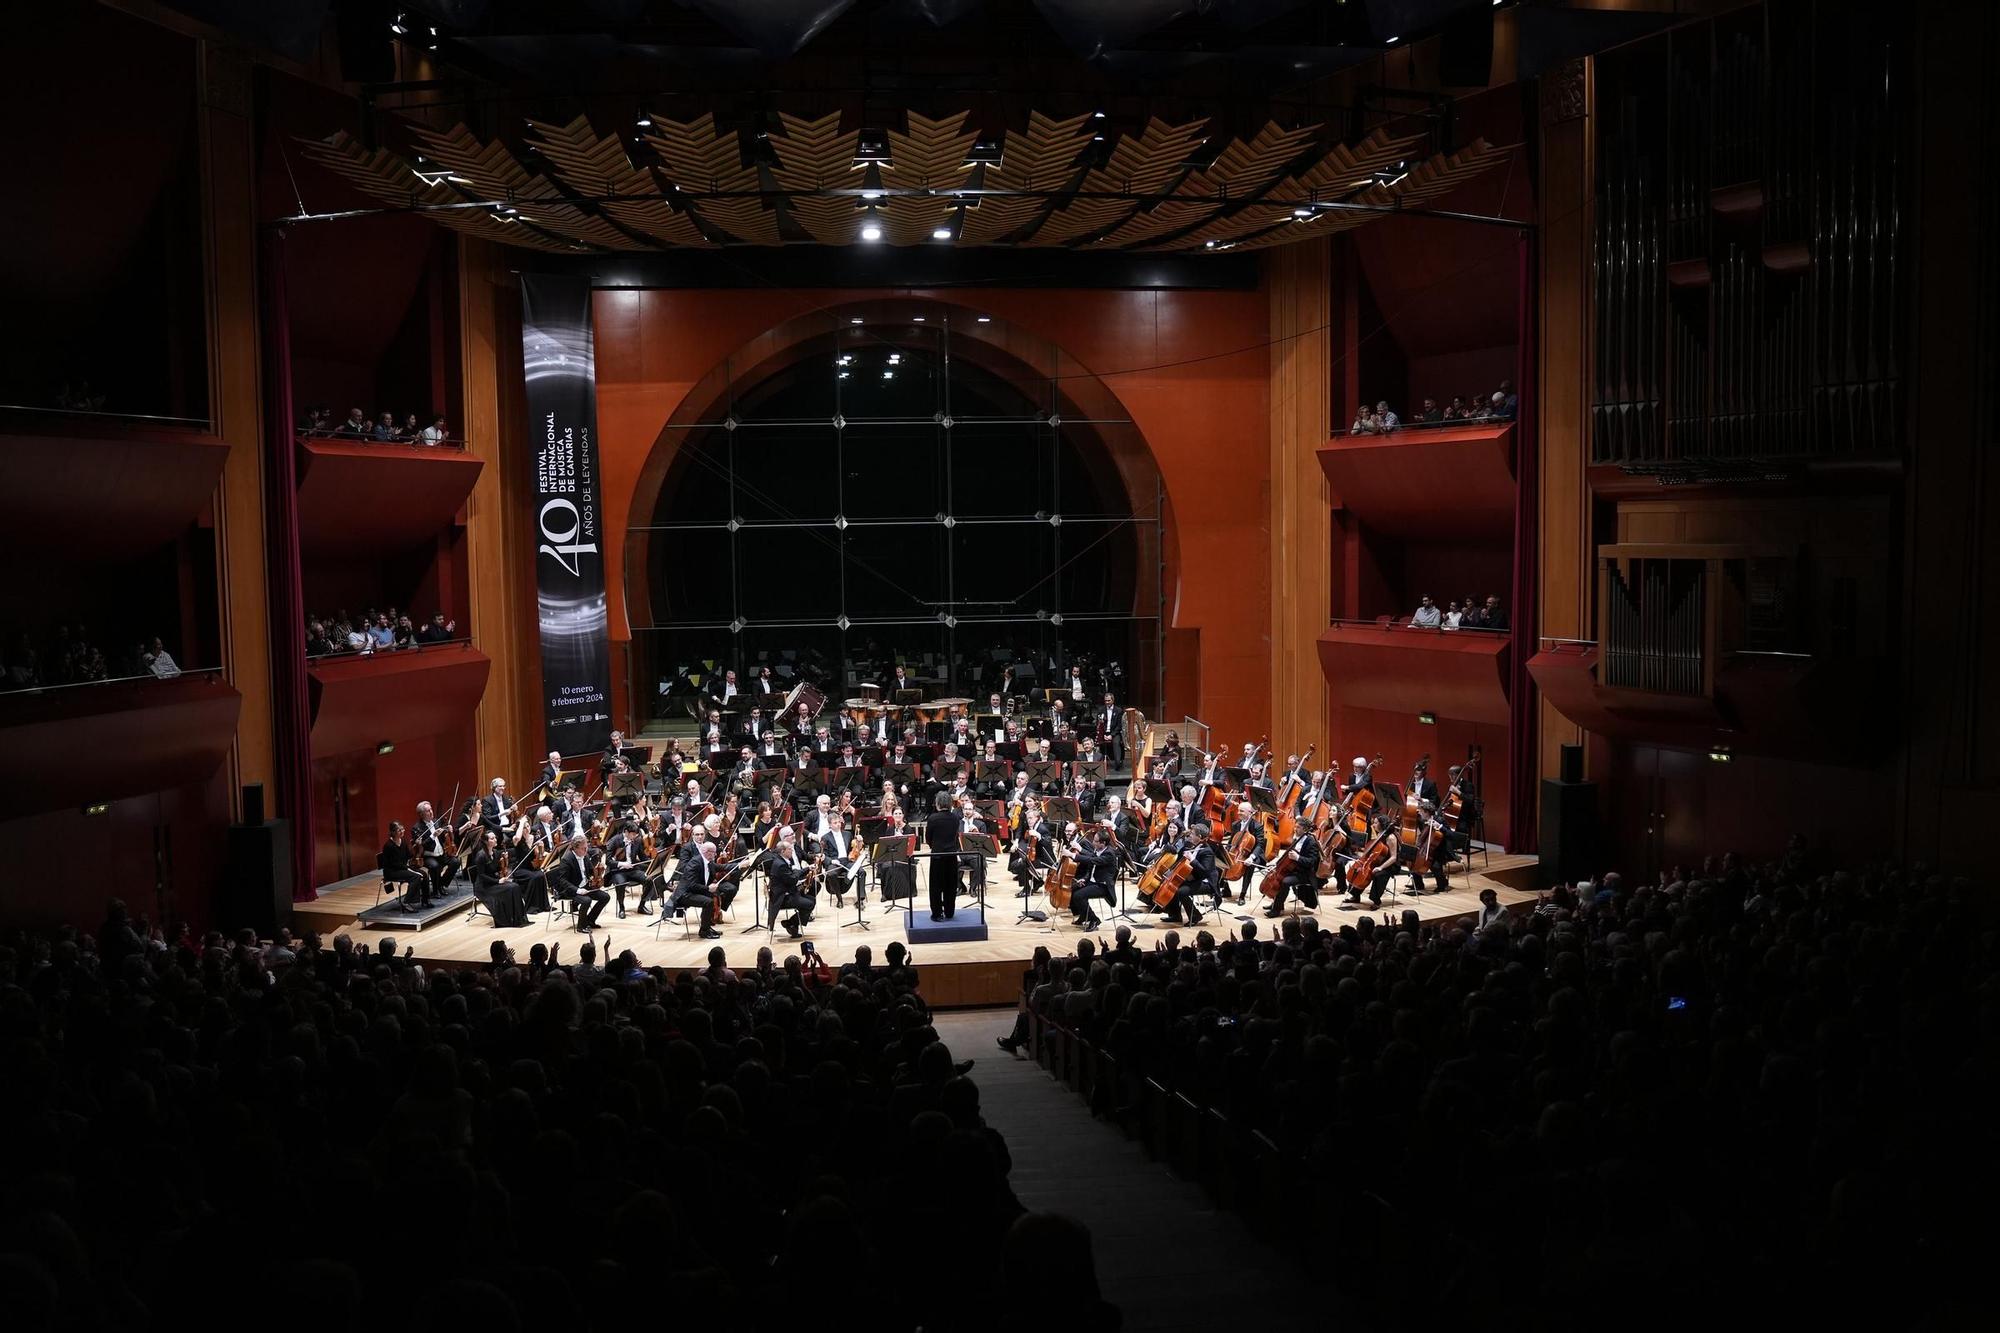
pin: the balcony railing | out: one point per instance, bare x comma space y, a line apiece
66, 687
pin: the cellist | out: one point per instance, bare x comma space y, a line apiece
1297, 869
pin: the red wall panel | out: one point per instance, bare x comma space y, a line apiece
1189, 367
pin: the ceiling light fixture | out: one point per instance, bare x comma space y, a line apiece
941, 234
645, 122
871, 232
1394, 40
986, 319
855, 320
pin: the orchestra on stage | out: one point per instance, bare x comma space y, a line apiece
807, 802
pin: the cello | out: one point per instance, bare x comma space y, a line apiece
1377, 853
1357, 807
1294, 786
1061, 879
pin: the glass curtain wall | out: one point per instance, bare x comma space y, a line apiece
919, 486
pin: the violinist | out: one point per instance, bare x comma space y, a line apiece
971, 821
1034, 849
763, 825
1207, 877
898, 877
1300, 876
614, 751
820, 821
493, 883
538, 843
790, 885
694, 886
625, 859
844, 868
399, 871
624, 791
495, 809
427, 839
570, 879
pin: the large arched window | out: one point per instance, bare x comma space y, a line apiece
904, 483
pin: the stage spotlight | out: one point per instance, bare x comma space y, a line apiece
895, 358
918, 319
941, 234
871, 232
986, 319
1393, 40
871, 146
645, 122
1097, 115
855, 320
871, 194
888, 374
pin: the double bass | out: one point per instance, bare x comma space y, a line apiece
1060, 880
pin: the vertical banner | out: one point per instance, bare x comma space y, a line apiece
559, 361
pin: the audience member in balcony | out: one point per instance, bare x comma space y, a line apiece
406, 633
385, 428
24, 664
1386, 419
1364, 422
1492, 616
159, 661
382, 634
435, 433
1510, 402
1499, 407
1452, 617
1426, 615
411, 431
356, 427
356, 634
1474, 617
1456, 411
438, 630
318, 642
1429, 415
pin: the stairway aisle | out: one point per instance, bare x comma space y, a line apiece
1165, 1256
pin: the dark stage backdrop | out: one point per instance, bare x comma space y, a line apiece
560, 367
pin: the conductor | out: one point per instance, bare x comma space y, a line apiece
941, 837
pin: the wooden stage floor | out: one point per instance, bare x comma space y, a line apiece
974, 973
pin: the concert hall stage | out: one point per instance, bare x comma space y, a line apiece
984, 972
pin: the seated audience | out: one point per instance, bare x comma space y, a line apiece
565, 1145
1426, 615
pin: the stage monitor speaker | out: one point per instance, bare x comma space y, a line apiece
1465, 48
253, 803
1571, 769
1568, 831
257, 878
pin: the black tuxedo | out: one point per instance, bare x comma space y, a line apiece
493, 813
1303, 877
838, 848
786, 894
694, 887
941, 832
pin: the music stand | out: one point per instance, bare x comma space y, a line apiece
908, 697
627, 785
998, 770
1008, 750
639, 755
900, 772
1060, 810
1090, 770
983, 845
948, 770
894, 849
920, 753
1043, 771
1238, 778
1158, 790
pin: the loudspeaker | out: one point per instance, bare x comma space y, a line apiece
257, 877
1571, 767
1568, 831
1465, 48
253, 803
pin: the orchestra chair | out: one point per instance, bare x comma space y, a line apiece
382, 885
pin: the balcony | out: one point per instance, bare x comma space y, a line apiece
1394, 667
360, 701
71, 746
358, 495
104, 488
1427, 481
